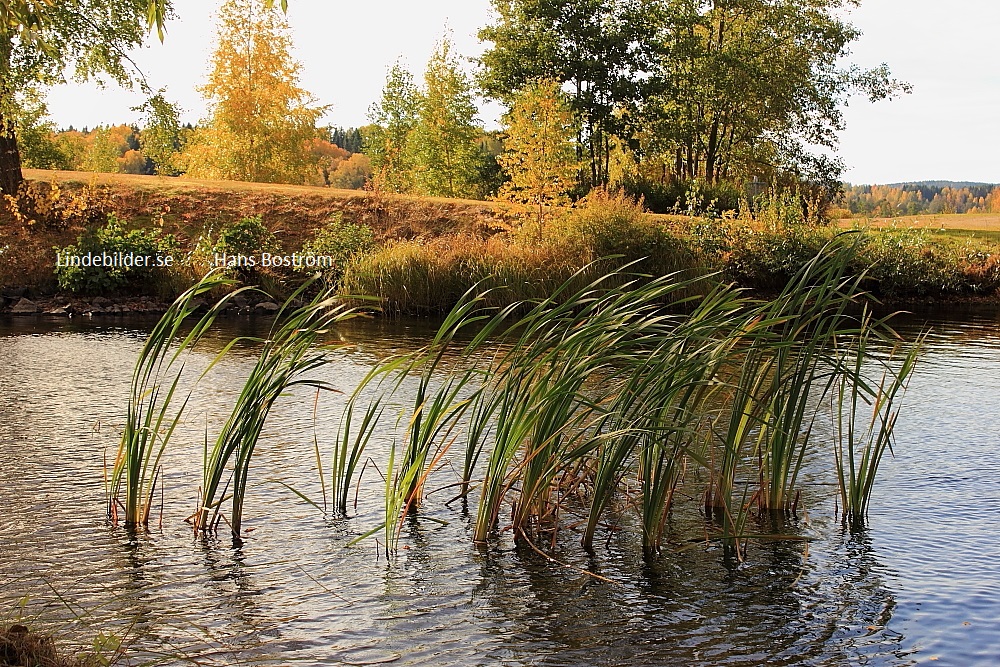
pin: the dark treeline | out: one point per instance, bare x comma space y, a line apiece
348, 138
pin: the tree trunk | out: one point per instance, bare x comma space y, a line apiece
10, 160
10, 157
713, 147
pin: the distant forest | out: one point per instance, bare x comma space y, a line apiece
923, 198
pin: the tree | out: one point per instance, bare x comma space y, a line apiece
443, 145
107, 146
37, 142
744, 88
352, 173
160, 138
327, 157
41, 39
261, 119
393, 120
598, 48
539, 152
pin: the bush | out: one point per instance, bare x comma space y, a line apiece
614, 224
239, 246
140, 260
341, 241
248, 237
48, 206
905, 262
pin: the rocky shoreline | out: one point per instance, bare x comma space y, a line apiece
22, 302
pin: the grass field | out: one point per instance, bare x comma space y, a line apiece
967, 222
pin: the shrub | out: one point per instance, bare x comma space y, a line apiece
239, 246
614, 224
341, 241
49, 206
149, 250
248, 237
905, 262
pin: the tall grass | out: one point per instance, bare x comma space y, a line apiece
150, 419
287, 356
860, 445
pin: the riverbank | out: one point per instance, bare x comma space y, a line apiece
419, 255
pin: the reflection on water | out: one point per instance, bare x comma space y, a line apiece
923, 582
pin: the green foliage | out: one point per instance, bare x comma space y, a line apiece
246, 238
386, 141
40, 41
599, 48
692, 89
348, 138
36, 136
442, 148
160, 138
114, 240
905, 262
341, 241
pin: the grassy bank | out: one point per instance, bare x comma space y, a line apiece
421, 254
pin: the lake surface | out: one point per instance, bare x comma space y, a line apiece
920, 586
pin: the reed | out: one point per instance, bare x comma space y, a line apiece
287, 356
551, 420
444, 393
150, 419
858, 445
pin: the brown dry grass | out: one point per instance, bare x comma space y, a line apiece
20, 647
186, 206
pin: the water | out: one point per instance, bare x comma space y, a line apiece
922, 584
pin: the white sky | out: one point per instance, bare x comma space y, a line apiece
947, 129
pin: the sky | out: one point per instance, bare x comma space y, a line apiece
945, 130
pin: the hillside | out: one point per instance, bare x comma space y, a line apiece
190, 209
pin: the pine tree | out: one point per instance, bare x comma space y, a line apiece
261, 119
539, 148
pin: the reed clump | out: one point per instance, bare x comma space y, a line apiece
588, 407
287, 356
596, 398
151, 412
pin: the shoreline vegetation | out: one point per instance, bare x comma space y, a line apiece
419, 255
